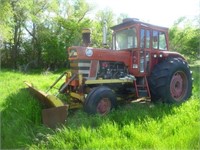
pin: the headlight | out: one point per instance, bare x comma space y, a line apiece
73, 53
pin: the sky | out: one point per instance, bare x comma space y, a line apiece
159, 12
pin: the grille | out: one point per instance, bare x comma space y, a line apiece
81, 67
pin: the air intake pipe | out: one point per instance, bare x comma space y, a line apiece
86, 37
104, 33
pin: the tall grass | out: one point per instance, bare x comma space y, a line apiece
20, 112
131, 126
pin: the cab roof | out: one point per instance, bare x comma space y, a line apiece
131, 21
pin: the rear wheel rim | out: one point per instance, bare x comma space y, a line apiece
178, 85
104, 106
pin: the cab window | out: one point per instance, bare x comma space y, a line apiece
162, 41
144, 38
147, 39
159, 40
125, 39
155, 40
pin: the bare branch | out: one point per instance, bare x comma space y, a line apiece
80, 19
31, 34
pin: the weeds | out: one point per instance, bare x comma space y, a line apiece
133, 126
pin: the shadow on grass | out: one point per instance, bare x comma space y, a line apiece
19, 117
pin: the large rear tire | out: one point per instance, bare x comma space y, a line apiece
171, 81
101, 100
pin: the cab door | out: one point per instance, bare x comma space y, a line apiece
144, 53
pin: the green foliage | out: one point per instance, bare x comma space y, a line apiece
185, 40
5, 22
97, 27
41, 31
196, 76
130, 126
121, 17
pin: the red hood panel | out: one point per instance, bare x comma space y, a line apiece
89, 53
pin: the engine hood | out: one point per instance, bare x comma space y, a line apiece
90, 53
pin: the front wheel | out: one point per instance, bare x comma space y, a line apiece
100, 101
171, 81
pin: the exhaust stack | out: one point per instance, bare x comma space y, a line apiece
86, 37
104, 33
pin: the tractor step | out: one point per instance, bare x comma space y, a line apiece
142, 90
143, 93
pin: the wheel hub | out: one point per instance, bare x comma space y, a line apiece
104, 106
178, 85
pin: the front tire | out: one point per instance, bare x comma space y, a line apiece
101, 100
171, 81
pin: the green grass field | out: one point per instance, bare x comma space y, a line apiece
134, 126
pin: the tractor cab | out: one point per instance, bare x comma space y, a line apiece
133, 33
147, 43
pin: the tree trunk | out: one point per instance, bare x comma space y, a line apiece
36, 45
16, 44
16, 36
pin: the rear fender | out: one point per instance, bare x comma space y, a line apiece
167, 54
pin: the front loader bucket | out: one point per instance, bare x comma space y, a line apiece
54, 116
55, 111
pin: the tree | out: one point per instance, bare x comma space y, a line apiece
102, 16
12, 46
65, 30
5, 25
185, 39
41, 30
5, 22
121, 17
36, 17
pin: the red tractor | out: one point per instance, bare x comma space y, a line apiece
139, 64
